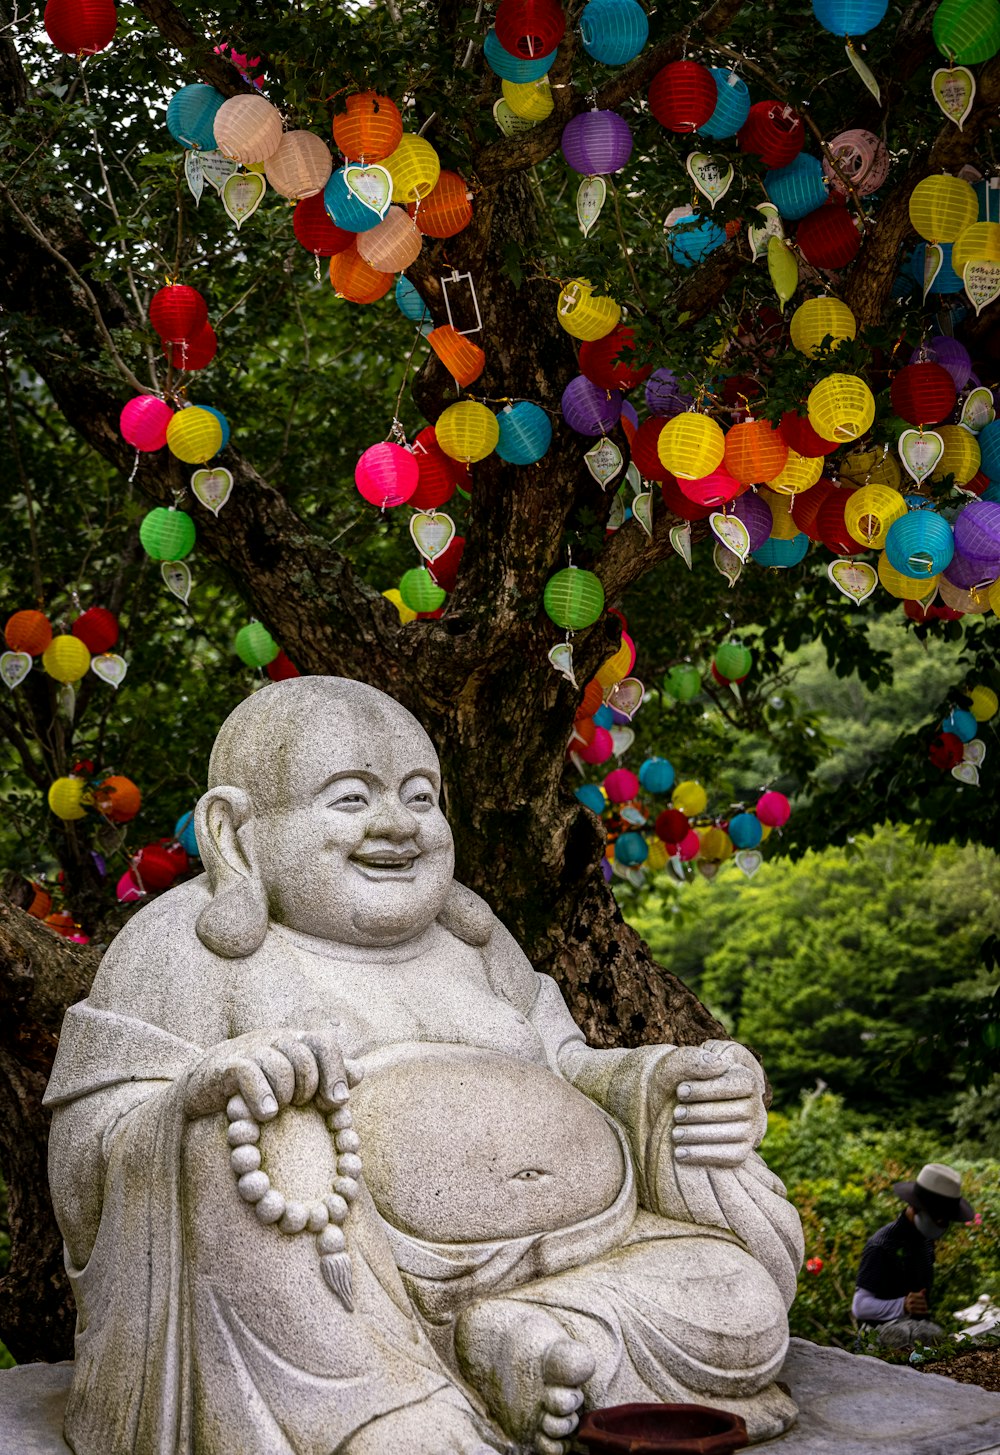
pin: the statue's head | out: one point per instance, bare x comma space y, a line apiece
322, 815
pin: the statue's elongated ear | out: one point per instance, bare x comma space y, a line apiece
234, 923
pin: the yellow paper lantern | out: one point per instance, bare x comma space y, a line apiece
905, 588
993, 596
301, 166
800, 473
405, 614
65, 798
532, 102
974, 602
962, 456
66, 659
582, 315
979, 243
942, 207
870, 512
841, 406
716, 845
248, 129
691, 446
817, 318
615, 668
871, 467
657, 858
414, 168
689, 798
393, 244
783, 527
194, 435
467, 431
984, 703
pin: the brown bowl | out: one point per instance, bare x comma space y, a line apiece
662, 1429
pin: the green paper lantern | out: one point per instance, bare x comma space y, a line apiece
967, 31
167, 535
733, 661
255, 645
574, 598
682, 682
420, 591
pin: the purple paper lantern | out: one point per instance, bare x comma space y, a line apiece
662, 389
965, 573
588, 409
977, 536
756, 516
629, 413
597, 143
951, 355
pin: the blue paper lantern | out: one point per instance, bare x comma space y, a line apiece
613, 31
631, 849
745, 830
184, 834
346, 210
731, 109
191, 116
410, 303
947, 280
604, 716
513, 68
799, 188
692, 238
591, 797
992, 491
525, 433
989, 200
223, 422
849, 17
989, 449
783, 554
920, 544
657, 775
961, 723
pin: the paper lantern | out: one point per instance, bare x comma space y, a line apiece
754, 452
683, 96
799, 473
800, 436
849, 17
732, 106
97, 628
194, 435
920, 545
617, 666
620, 785
657, 775
80, 27
905, 587
798, 188
978, 243
191, 115
420, 591
662, 392
961, 457
942, 207
974, 600
871, 467
613, 31
862, 159
446, 565
255, 645
977, 534
573, 599
248, 129
773, 809
514, 68
819, 320
167, 534
612, 362
529, 28
950, 354
689, 798
144, 421
591, 797
692, 238
223, 422
467, 431
783, 527
370, 129
438, 472
828, 238
66, 658
316, 231
597, 143
194, 353
532, 100
356, 280
745, 830
177, 312
683, 505
682, 682
446, 210
967, 31
806, 508
525, 433
155, 868
772, 131
65, 798
598, 750
946, 280
714, 845
631, 849
393, 244
406, 615
414, 168
583, 315
345, 208
961, 723
386, 475
968, 575
672, 826
645, 451
989, 448
733, 661
716, 489
945, 751
922, 394
28, 631
410, 303
841, 407
301, 166
463, 359
870, 512
984, 703
589, 410
117, 798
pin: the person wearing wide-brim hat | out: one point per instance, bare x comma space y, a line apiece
893, 1292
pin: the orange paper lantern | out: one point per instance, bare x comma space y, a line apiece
356, 280
463, 359
28, 631
755, 452
369, 129
446, 209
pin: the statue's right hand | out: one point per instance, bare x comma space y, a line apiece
271, 1069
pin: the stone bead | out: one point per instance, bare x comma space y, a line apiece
336, 1206
294, 1219
244, 1159
349, 1164
318, 1217
340, 1120
252, 1186
347, 1187
271, 1206
242, 1133
348, 1141
237, 1109
331, 1240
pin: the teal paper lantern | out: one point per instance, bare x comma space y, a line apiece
745, 830
780, 553
574, 599
920, 544
410, 303
682, 682
631, 850
525, 433
514, 68
657, 775
850, 17
223, 422
344, 208
692, 238
604, 716
961, 723
185, 835
420, 591
613, 31
799, 188
591, 797
731, 109
191, 116
255, 645
167, 534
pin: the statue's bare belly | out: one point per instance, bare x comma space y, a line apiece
476, 1146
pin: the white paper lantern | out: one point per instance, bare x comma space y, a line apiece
248, 129
394, 244
301, 166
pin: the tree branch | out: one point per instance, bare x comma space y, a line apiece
196, 49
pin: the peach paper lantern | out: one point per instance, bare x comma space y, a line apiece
248, 129
301, 166
393, 244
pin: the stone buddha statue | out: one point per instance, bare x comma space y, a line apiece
337, 1172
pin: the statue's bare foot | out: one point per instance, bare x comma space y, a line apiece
529, 1372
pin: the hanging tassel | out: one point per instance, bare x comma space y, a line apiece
337, 1276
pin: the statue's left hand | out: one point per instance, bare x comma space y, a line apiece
719, 1116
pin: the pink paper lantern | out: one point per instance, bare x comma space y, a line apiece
628, 642
719, 488
862, 158
598, 750
773, 809
144, 422
620, 785
690, 845
387, 474
127, 890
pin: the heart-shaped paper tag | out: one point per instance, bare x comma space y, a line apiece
974, 752
622, 739
954, 90
680, 539
216, 169
212, 487
66, 701
749, 860
561, 657
982, 283
783, 267
856, 579
727, 564
642, 509
616, 516
177, 578
733, 534
508, 121
760, 232
633, 816
242, 194
978, 410
110, 668
604, 461
713, 176
933, 263
432, 533
194, 174
966, 773
14, 667
920, 452
626, 697
370, 185
590, 197
706, 869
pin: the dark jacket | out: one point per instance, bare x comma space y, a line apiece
897, 1260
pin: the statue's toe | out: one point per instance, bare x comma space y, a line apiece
567, 1363
559, 1400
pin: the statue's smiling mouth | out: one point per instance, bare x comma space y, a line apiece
382, 864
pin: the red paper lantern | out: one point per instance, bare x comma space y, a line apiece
178, 313
593, 696
830, 523
946, 751
444, 568
671, 826
195, 353
644, 452
371, 127
97, 629
772, 131
678, 503
683, 96
529, 28
806, 506
755, 452
28, 631
156, 867
827, 238
439, 473
80, 27
739, 389
282, 668
923, 393
315, 230
977, 484
611, 362
800, 436
446, 210
917, 611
